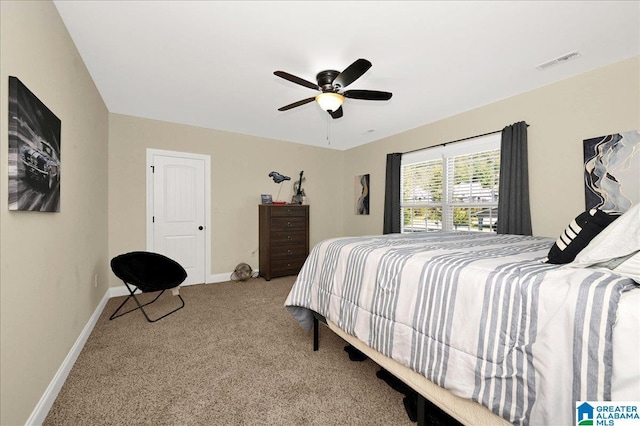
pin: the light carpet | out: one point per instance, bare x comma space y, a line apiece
232, 356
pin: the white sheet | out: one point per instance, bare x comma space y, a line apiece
625, 383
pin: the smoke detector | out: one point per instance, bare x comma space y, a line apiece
559, 60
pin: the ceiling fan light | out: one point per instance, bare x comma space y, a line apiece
330, 101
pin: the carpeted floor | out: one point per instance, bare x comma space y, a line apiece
232, 356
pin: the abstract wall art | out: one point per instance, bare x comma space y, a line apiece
612, 171
362, 194
34, 152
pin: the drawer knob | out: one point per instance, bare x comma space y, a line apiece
288, 251
289, 224
288, 237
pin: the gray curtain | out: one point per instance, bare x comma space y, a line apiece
392, 195
514, 214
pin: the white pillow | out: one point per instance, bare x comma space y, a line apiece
618, 240
630, 268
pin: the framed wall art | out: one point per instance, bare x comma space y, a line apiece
362, 194
34, 152
612, 170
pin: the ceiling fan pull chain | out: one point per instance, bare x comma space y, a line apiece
328, 123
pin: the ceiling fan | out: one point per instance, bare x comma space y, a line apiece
331, 83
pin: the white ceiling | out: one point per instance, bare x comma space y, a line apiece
210, 63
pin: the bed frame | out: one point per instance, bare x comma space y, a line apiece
464, 411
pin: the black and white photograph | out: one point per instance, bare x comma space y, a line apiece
34, 152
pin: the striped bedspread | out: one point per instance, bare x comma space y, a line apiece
478, 314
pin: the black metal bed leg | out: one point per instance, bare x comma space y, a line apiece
316, 334
422, 411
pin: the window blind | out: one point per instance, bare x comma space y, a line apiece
451, 187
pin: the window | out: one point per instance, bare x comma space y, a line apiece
452, 187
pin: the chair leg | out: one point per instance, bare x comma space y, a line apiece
132, 296
140, 306
159, 318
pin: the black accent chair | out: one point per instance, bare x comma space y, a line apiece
147, 272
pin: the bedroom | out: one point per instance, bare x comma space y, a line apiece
103, 205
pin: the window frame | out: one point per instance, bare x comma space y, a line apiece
446, 154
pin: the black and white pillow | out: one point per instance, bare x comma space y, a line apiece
578, 234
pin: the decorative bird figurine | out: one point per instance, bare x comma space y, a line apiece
278, 178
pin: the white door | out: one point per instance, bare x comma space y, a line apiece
178, 228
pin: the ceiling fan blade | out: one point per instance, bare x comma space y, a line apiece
297, 104
297, 80
369, 95
337, 113
352, 73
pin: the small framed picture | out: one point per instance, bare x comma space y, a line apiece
266, 199
362, 194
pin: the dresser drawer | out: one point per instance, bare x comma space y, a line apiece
286, 267
295, 223
288, 252
292, 237
287, 211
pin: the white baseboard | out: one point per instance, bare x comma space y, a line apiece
215, 278
219, 278
51, 393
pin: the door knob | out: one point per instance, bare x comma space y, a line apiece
200, 228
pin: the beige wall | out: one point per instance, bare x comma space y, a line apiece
240, 165
560, 116
48, 260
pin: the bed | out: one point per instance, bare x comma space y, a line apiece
478, 323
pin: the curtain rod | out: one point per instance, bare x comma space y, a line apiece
458, 140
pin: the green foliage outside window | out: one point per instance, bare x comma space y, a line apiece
471, 179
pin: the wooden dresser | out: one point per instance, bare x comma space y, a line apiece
284, 239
